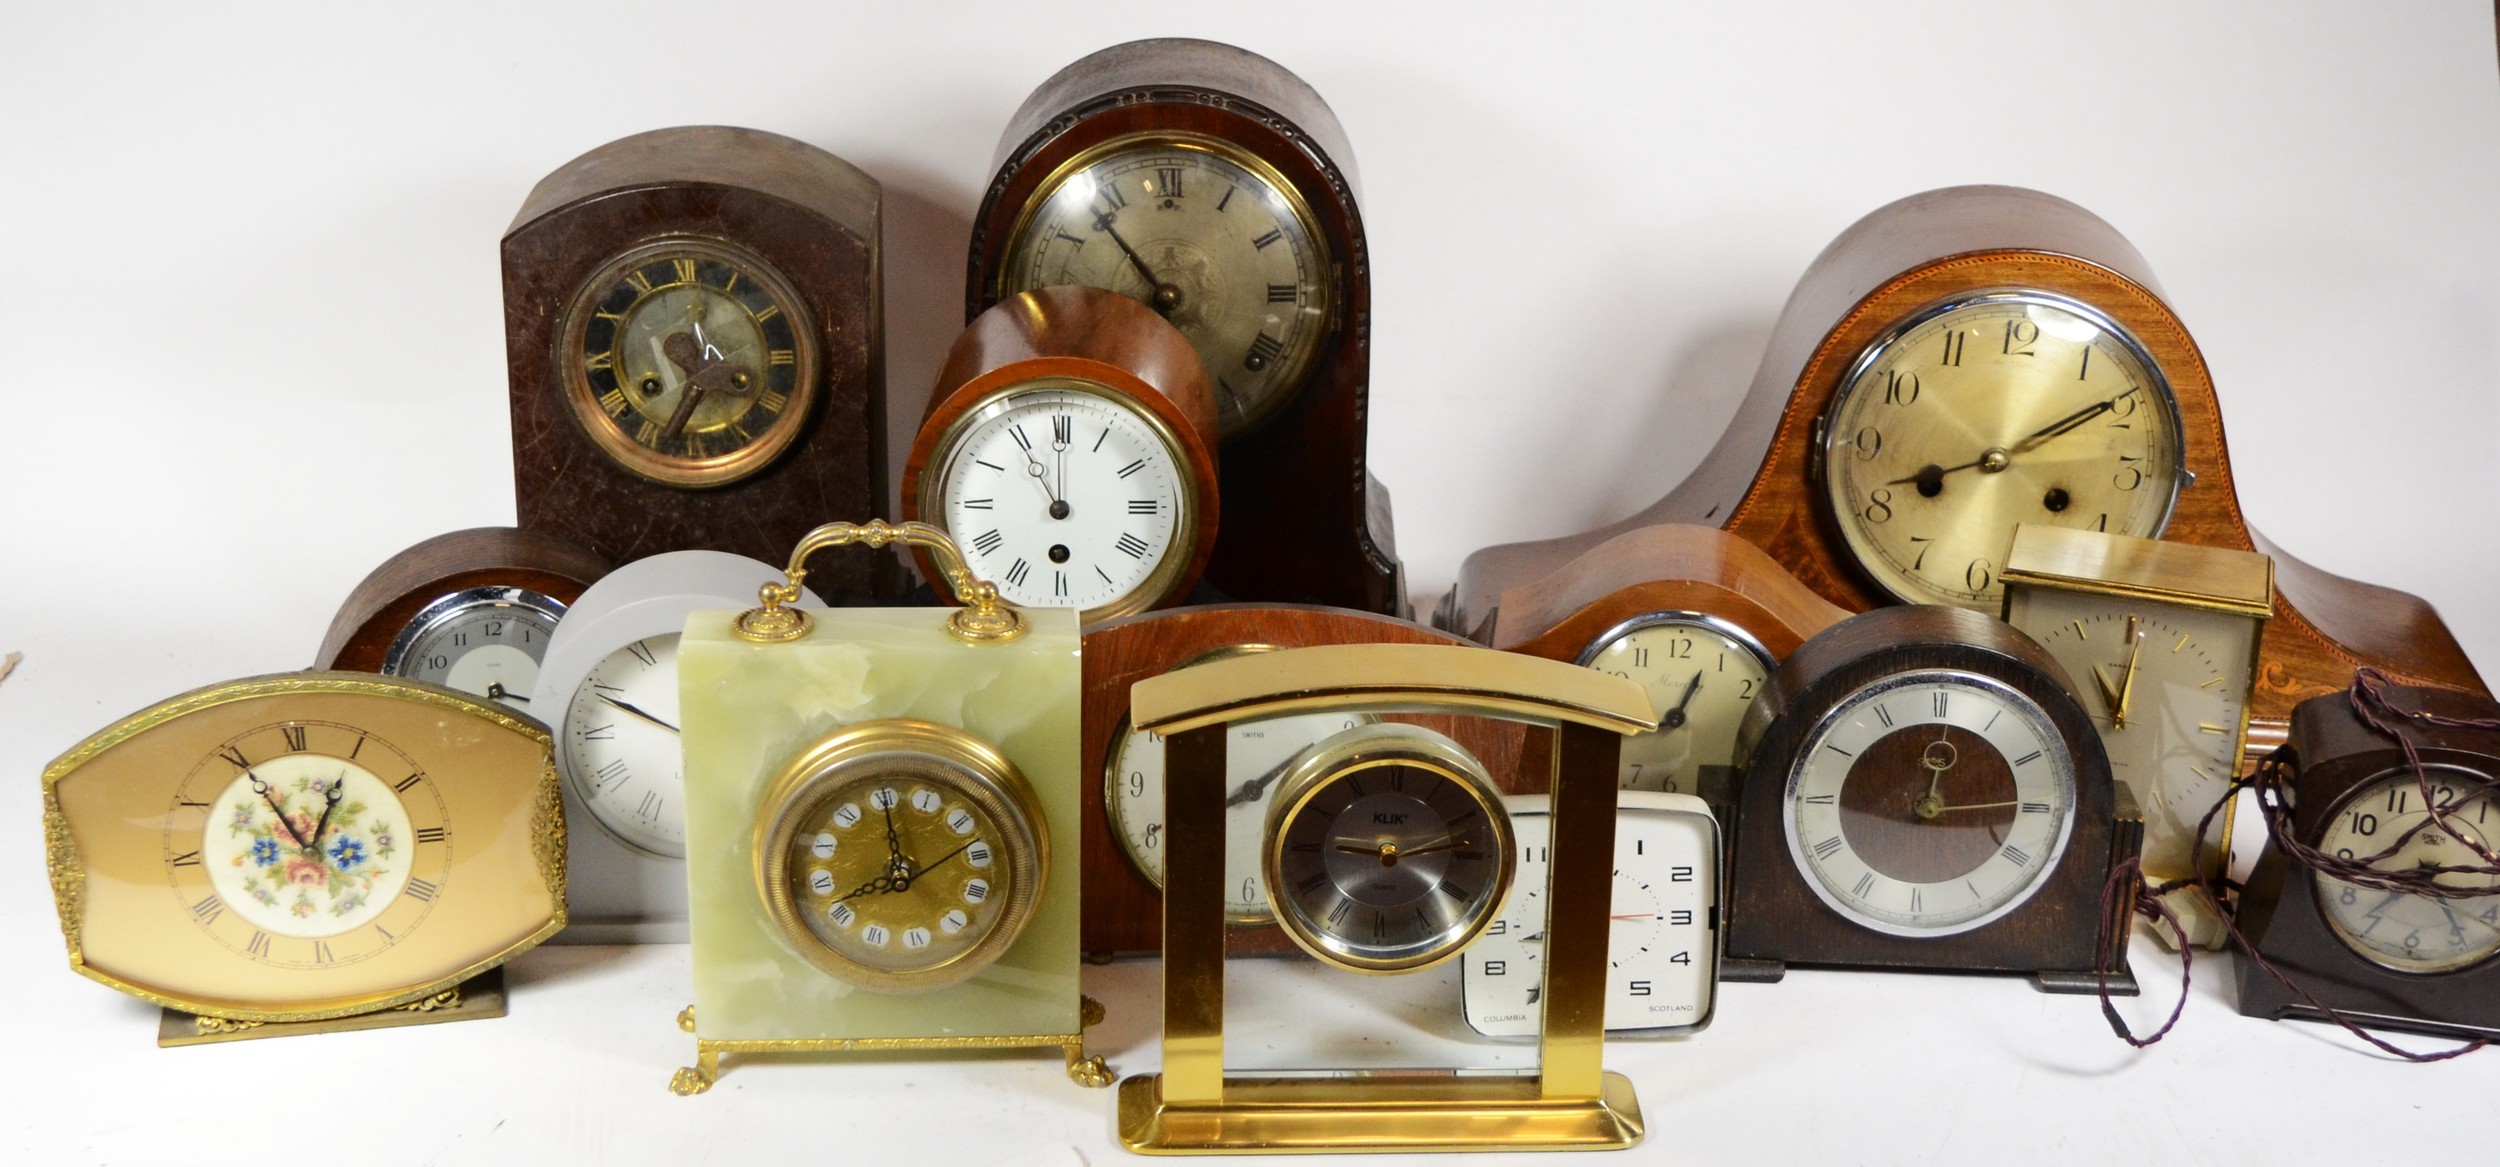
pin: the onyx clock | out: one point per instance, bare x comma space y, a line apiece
1218, 189
692, 323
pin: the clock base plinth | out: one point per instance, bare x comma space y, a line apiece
1748, 971
475, 999
2121, 982
1084, 1070
1386, 1113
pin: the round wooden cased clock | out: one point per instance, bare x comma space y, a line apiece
1070, 451
1926, 793
470, 610
608, 688
2383, 958
1126, 834
1967, 360
692, 319
1694, 615
318, 850
1215, 187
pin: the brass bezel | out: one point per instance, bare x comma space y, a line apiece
1158, 584
1372, 747
68, 874
1296, 368
633, 456
940, 755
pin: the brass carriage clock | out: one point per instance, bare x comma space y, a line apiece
1215, 187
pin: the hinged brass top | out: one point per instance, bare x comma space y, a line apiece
1429, 678
2147, 569
986, 619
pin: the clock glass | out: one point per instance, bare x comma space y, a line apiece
1212, 239
1930, 803
621, 750
483, 641
1702, 674
896, 872
1987, 411
2385, 823
688, 362
1067, 495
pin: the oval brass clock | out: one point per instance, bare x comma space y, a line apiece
305, 846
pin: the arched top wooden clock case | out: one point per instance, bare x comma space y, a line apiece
1217, 187
470, 609
1847, 462
693, 324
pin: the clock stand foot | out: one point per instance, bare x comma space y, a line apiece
1090, 1072
689, 1081
2121, 982
1747, 970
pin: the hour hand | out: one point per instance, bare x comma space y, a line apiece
2109, 693
637, 711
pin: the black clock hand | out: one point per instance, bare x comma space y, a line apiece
1251, 790
338, 787
1997, 458
262, 788
1675, 716
894, 842
496, 692
638, 712
940, 863
1166, 296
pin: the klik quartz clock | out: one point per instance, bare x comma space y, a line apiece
1215, 187
472, 610
693, 325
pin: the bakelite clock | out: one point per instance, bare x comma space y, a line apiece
1927, 793
1696, 616
1966, 360
1125, 831
692, 320
608, 688
329, 847
1069, 449
471, 610
1217, 188
2384, 958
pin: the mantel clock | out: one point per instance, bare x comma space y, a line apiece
472, 610
1967, 360
1215, 187
692, 319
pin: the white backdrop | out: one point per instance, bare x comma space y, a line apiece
253, 345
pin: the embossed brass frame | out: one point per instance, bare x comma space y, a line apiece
1571, 1102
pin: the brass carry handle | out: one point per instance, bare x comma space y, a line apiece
986, 619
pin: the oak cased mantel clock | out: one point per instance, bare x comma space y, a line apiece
1216, 187
2385, 959
472, 610
1925, 792
693, 324
1969, 359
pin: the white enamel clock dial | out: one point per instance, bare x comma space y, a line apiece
1662, 952
1067, 495
1930, 803
2410, 933
620, 743
482, 641
1702, 673
1256, 754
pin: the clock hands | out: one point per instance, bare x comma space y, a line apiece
496, 692
1931, 804
706, 370
1389, 854
2126, 682
330, 803
638, 711
1252, 789
1930, 478
1166, 296
262, 789
1675, 716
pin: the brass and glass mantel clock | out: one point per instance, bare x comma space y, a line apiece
1217, 188
692, 318
1971, 359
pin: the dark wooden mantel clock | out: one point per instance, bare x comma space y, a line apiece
1217, 188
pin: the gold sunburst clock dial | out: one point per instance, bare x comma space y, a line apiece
305, 846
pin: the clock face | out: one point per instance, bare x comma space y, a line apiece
1661, 951
1214, 241
2167, 686
1985, 412
2385, 823
621, 750
1256, 754
688, 362
1389, 862
1702, 674
1930, 803
897, 873
484, 641
1066, 495
311, 857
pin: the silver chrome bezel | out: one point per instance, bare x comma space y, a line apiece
445, 609
1718, 624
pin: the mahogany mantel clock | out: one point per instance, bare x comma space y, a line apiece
692, 321
1968, 359
1217, 188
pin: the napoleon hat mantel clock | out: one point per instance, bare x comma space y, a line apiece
1968, 359
307, 852
472, 610
692, 320
1216, 187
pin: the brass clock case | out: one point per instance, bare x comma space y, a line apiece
779, 322
939, 756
